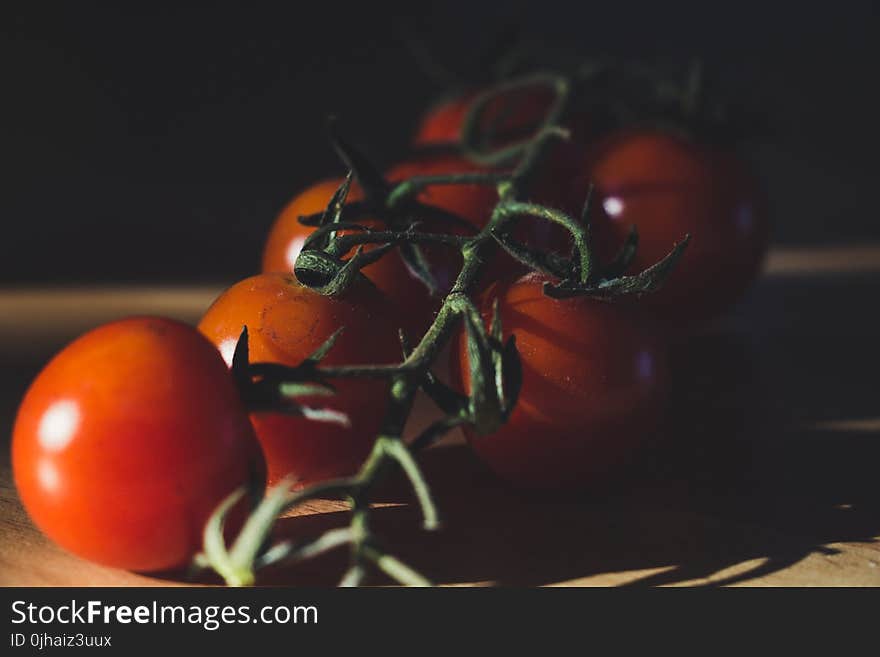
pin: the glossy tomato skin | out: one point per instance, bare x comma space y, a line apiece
286, 322
669, 186
127, 441
594, 389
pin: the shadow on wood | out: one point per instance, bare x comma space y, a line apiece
769, 460
770, 457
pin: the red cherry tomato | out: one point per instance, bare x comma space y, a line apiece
515, 116
286, 322
668, 186
128, 440
593, 389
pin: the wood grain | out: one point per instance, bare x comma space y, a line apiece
766, 475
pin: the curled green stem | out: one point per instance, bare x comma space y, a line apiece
510, 209
470, 132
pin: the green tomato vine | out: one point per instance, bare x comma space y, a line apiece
494, 364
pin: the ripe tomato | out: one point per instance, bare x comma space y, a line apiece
286, 322
593, 389
516, 115
668, 186
128, 440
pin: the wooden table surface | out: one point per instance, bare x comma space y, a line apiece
767, 477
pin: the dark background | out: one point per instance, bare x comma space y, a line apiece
156, 142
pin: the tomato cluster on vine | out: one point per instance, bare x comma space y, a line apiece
543, 250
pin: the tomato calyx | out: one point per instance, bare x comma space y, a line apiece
318, 266
578, 274
609, 287
492, 397
606, 289
321, 264
273, 387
